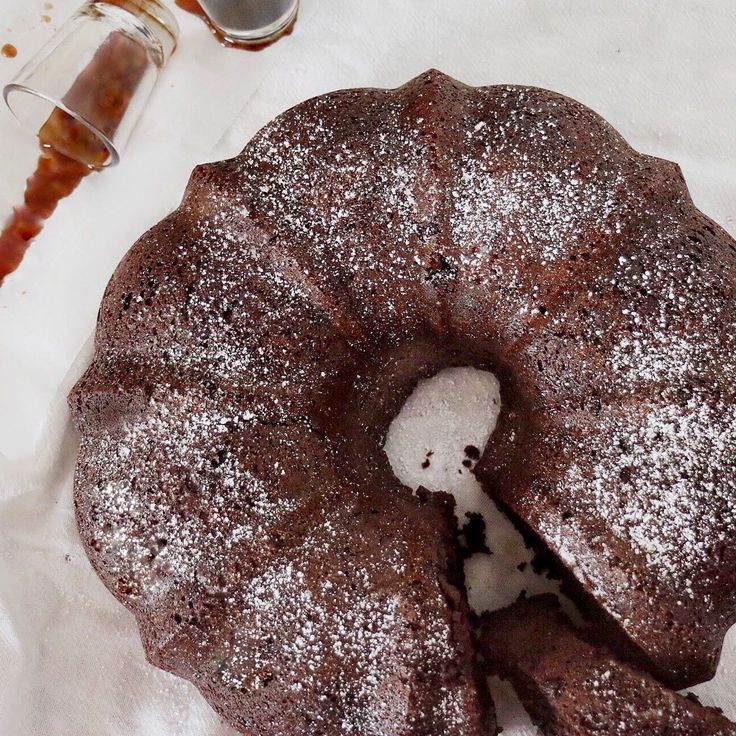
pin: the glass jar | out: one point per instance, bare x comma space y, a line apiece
85, 90
250, 21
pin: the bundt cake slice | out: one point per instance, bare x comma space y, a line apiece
572, 687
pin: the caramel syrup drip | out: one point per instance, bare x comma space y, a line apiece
70, 150
56, 176
193, 6
9, 51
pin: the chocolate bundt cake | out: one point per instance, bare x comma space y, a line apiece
253, 347
572, 687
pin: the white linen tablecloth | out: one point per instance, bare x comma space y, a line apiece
663, 72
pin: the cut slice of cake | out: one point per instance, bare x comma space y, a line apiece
572, 687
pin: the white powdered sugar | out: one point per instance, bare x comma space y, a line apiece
654, 485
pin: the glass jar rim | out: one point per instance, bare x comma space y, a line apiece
14, 87
150, 17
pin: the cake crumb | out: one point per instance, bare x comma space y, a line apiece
472, 452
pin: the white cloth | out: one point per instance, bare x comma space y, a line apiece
662, 72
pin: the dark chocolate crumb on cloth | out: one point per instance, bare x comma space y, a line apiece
473, 535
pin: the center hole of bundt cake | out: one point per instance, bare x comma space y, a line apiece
435, 441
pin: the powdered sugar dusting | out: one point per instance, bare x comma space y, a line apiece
646, 705
670, 506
